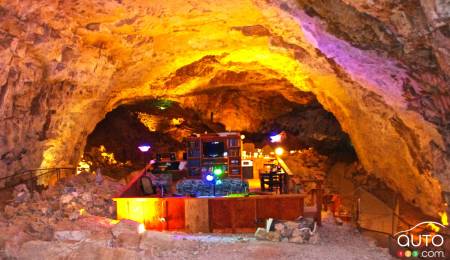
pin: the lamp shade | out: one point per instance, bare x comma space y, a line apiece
144, 147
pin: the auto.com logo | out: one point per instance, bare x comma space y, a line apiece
417, 245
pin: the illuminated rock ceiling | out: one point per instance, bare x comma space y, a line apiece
65, 64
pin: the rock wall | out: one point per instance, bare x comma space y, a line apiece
65, 64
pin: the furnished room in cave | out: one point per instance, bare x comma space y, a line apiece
231, 144
240, 129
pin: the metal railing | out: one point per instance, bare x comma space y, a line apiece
392, 244
31, 177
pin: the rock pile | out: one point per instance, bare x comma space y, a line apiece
69, 198
301, 232
43, 215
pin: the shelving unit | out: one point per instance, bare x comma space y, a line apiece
230, 160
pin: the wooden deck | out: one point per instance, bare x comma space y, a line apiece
210, 214
213, 214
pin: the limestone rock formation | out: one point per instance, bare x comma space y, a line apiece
380, 66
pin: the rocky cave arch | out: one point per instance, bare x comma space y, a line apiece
255, 113
63, 73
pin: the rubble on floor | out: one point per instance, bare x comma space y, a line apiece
54, 213
301, 231
69, 198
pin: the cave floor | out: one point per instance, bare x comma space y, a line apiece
336, 242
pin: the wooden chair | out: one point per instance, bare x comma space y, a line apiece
273, 181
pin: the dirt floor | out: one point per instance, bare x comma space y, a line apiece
336, 242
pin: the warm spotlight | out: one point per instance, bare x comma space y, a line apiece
444, 218
141, 228
279, 151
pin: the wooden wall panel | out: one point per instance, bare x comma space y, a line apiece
220, 218
285, 208
246, 214
196, 215
243, 215
227, 215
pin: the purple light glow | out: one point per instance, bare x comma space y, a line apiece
144, 148
275, 138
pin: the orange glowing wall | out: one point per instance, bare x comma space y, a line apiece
154, 213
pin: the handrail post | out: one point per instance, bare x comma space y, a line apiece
319, 201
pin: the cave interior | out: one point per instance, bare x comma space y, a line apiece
313, 144
344, 102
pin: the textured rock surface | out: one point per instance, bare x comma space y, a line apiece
381, 69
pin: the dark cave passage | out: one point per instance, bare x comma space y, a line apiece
164, 124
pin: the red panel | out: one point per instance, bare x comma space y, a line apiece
175, 214
232, 215
225, 214
285, 208
220, 217
243, 213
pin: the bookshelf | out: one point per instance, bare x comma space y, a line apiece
200, 161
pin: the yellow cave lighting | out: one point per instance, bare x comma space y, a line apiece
83, 166
444, 218
114, 221
279, 151
433, 227
108, 157
176, 121
152, 122
282, 63
146, 211
51, 154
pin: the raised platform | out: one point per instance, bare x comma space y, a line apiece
211, 214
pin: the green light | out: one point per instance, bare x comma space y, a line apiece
162, 104
218, 171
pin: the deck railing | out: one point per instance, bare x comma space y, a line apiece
31, 177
